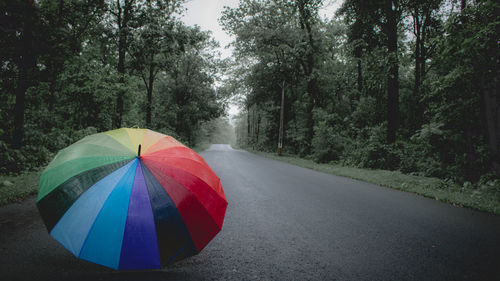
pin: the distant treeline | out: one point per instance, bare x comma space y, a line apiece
69, 68
399, 85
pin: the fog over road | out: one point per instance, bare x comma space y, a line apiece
289, 223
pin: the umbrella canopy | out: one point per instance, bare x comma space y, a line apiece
109, 203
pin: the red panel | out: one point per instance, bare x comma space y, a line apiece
194, 167
200, 224
179, 151
206, 195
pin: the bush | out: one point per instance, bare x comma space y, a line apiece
368, 150
327, 144
29, 157
38, 148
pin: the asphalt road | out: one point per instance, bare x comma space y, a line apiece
289, 223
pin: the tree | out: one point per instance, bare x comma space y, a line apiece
423, 26
308, 15
153, 43
465, 95
384, 15
26, 64
124, 14
278, 39
186, 92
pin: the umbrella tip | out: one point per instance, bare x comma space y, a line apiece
139, 151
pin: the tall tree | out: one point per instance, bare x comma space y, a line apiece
153, 43
124, 13
467, 101
26, 66
308, 16
386, 16
423, 26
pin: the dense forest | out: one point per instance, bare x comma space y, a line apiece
387, 84
70, 68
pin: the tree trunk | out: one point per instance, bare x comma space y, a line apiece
26, 67
149, 101
471, 172
55, 66
491, 106
360, 77
258, 129
414, 118
248, 127
463, 5
305, 19
310, 116
393, 73
123, 18
282, 116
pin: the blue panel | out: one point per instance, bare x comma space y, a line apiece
104, 242
75, 224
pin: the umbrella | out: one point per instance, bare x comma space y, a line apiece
109, 203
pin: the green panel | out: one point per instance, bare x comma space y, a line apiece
84, 151
94, 145
53, 177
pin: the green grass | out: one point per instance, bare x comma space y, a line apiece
24, 185
484, 198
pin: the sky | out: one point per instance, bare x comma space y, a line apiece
206, 13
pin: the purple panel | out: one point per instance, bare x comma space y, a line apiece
140, 246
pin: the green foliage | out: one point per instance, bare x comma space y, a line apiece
170, 71
447, 128
216, 131
328, 144
17, 187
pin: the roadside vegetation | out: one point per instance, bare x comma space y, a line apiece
410, 87
405, 86
73, 68
484, 196
14, 188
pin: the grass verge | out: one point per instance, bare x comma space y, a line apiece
484, 198
16, 188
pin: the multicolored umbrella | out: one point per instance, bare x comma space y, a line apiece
109, 203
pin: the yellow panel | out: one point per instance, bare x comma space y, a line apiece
122, 136
151, 138
137, 137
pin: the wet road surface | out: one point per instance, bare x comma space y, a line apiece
289, 223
